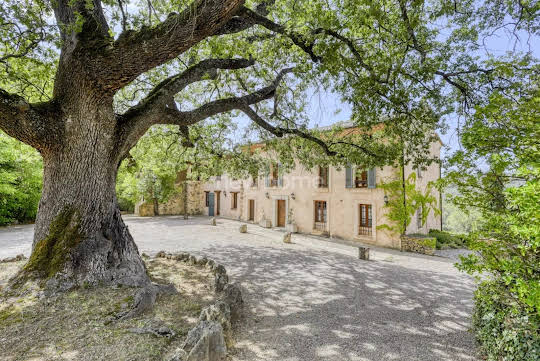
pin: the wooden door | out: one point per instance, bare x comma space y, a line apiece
218, 202
281, 213
252, 209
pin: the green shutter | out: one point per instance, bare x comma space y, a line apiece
348, 177
371, 178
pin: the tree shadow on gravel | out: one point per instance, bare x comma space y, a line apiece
314, 305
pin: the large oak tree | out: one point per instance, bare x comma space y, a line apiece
84, 85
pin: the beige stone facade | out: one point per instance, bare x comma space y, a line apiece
175, 204
333, 209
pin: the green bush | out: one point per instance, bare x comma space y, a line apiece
505, 330
20, 181
448, 240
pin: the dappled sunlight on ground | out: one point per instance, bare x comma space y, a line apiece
314, 300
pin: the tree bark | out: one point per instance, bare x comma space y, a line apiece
80, 237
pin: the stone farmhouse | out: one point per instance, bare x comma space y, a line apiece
344, 203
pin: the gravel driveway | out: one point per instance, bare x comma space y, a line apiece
314, 300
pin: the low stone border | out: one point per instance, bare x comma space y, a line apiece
424, 245
17, 258
208, 340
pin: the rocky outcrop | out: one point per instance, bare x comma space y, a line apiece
208, 340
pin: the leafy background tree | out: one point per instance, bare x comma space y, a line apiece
20, 181
497, 173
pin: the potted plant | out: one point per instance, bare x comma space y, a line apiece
291, 226
266, 223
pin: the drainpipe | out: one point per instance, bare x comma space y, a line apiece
404, 188
440, 194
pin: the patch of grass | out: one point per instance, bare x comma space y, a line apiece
74, 324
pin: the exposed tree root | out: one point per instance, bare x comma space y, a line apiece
145, 298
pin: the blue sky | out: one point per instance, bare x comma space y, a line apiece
323, 106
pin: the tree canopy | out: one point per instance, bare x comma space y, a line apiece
407, 64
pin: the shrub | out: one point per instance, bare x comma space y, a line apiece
449, 240
505, 330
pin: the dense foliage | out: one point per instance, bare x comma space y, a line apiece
20, 181
153, 170
498, 173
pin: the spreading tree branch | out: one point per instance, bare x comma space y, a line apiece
136, 52
136, 121
33, 124
172, 116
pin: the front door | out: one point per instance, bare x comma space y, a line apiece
252, 209
211, 204
281, 213
217, 202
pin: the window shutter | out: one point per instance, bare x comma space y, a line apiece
348, 177
266, 181
371, 178
280, 176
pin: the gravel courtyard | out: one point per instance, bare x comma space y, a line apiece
313, 299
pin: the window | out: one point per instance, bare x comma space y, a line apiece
218, 177
320, 212
207, 198
274, 180
419, 222
419, 172
234, 200
365, 220
323, 177
361, 178
254, 180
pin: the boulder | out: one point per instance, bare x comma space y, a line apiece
213, 221
232, 296
243, 228
161, 254
287, 237
218, 312
220, 281
363, 253
205, 342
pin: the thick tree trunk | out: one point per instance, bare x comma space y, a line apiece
80, 237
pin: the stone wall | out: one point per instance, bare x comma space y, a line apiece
175, 204
210, 339
424, 245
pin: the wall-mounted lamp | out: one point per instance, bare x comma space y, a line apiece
293, 196
225, 193
385, 199
267, 195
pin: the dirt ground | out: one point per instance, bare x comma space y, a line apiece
80, 325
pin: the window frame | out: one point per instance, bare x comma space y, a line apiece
365, 219
234, 200
364, 177
207, 198
320, 205
324, 180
